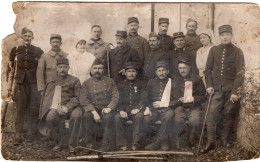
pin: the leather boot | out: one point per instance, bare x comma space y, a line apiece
225, 133
211, 135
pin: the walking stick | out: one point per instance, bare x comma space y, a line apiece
108, 68
210, 97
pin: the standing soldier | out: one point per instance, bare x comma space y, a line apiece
96, 45
134, 40
130, 106
152, 57
26, 95
180, 51
166, 41
99, 98
120, 55
192, 39
224, 75
46, 70
61, 102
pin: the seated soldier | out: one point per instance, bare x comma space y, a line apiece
188, 96
130, 106
60, 102
99, 98
158, 102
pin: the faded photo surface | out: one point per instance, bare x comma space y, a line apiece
131, 81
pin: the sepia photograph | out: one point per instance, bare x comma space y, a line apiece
131, 81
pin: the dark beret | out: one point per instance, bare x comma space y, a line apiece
153, 34
178, 34
25, 30
97, 62
131, 65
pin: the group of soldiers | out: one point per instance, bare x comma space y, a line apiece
145, 86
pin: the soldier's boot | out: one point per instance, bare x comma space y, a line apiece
225, 133
153, 146
211, 135
18, 139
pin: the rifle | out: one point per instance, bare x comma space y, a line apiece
10, 93
108, 68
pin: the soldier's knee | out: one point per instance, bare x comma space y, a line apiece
117, 117
52, 115
76, 114
88, 116
107, 117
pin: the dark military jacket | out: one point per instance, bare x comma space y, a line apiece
225, 68
198, 90
97, 94
166, 43
150, 61
139, 43
27, 62
70, 89
177, 54
130, 95
154, 91
117, 59
193, 42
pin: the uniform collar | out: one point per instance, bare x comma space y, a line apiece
60, 53
163, 35
91, 42
180, 49
165, 79
226, 45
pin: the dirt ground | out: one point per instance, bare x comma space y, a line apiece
42, 150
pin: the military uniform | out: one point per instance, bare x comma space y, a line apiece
52, 124
193, 42
225, 73
178, 54
94, 96
130, 98
190, 113
118, 57
166, 43
46, 70
98, 48
26, 95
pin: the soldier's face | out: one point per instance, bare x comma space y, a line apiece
154, 42
62, 69
133, 27
55, 44
97, 71
120, 41
27, 38
191, 27
183, 69
225, 37
163, 28
205, 39
179, 42
162, 72
96, 32
131, 74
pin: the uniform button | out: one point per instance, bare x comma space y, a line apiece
223, 52
224, 49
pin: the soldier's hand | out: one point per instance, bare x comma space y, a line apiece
122, 72
123, 114
181, 99
234, 98
135, 111
156, 104
96, 116
147, 111
41, 92
210, 90
64, 109
59, 110
106, 110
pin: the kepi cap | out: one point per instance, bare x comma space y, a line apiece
57, 36
131, 65
62, 61
153, 34
120, 33
163, 20
225, 28
185, 60
132, 19
178, 34
162, 63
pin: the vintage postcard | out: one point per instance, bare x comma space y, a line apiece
131, 81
